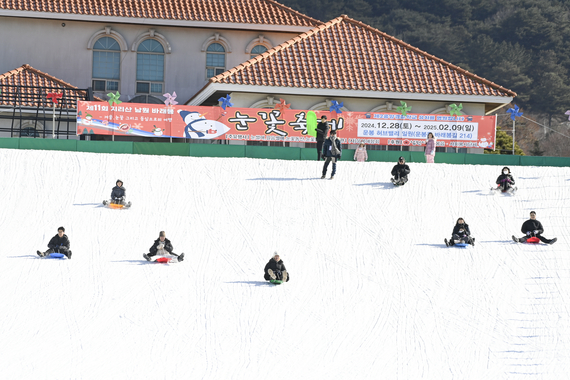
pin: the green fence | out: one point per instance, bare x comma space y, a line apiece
270, 152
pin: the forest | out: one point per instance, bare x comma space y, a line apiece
522, 45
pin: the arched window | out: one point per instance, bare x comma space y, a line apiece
106, 64
150, 67
215, 60
257, 50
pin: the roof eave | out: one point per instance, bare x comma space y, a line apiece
211, 87
154, 22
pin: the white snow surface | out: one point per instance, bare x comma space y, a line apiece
374, 292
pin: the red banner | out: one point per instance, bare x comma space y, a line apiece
256, 124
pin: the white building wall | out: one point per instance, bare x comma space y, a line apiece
62, 51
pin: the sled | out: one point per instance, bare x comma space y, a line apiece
312, 123
461, 245
116, 206
533, 240
276, 282
55, 255
163, 260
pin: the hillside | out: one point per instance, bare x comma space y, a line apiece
373, 294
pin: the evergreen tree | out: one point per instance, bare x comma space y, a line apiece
504, 144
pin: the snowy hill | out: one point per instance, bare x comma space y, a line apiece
374, 293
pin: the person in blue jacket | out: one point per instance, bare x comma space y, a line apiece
332, 151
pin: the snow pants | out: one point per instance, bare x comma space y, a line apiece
430, 158
463, 239
542, 238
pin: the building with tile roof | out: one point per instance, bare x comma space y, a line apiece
349, 61
25, 101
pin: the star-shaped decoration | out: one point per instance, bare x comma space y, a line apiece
226, 101
169, 101
514, 112
54, 97
455, 109
114, 98
336, 106
403, 109
282, 106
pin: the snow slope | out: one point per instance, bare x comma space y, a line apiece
374, 293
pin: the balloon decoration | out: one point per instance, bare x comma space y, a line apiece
336, 107
455, 109
312, 123
403, 109
114, 98
282, 106
225, 101
54, 97
514, 112
169, 101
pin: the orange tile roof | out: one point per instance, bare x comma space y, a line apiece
345, 54
34, 87
267, 12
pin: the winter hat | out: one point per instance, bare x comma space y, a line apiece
61, 228
162, 233
274, 254
402, 159
506, 168
323, 117
119, 181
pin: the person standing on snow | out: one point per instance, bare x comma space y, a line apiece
506, 181
430, 148
322, 129
360, 153
275, 269
400, 172
332, 151
59, 243
533, 228
460, 234
162, 247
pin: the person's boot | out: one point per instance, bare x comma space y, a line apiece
68, 255
181, 257
271, 274
146, 256
284, 274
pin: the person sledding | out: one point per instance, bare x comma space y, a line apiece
162, 247
58, 244
400, 172
275, 270
506, 182
118, 195
460, 234
533, 228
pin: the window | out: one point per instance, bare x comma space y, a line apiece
215, 60
258, 49
150, 67
106, 64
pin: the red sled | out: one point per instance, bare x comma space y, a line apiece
533, 240
163, 260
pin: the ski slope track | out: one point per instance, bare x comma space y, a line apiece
374, 292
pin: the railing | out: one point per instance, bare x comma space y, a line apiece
27, 111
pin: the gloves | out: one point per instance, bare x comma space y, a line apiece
160, 246
535, 232
509, 181
528, 233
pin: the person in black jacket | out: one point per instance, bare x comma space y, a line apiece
506, 181
460, 234
322, 129
400, 172
332, 151
275, 269
119, 193
59, 243
533, 228
162, 246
